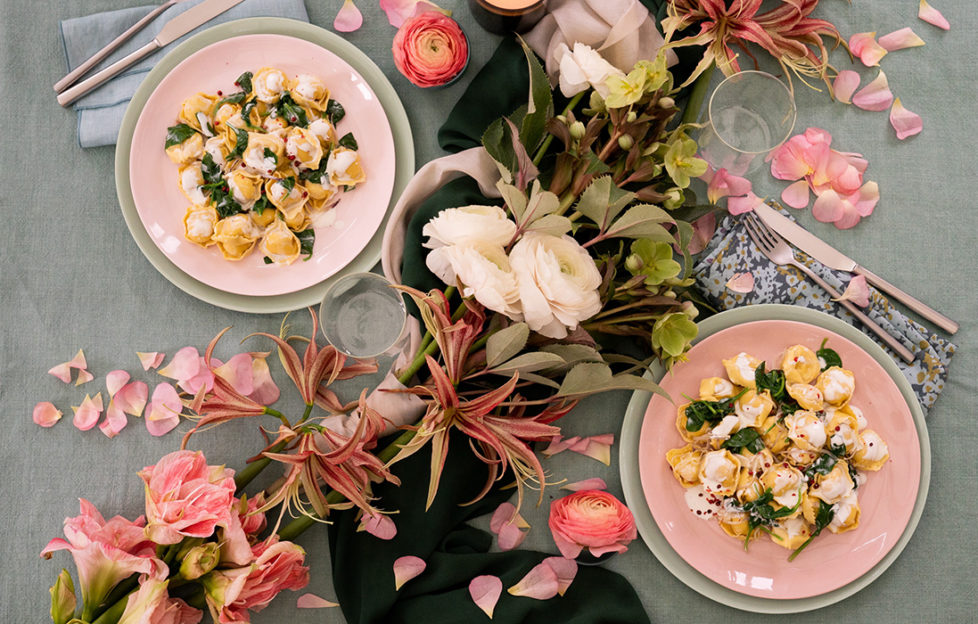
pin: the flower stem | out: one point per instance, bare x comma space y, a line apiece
549, 138
697, 95
113, 613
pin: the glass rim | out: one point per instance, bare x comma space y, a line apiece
351, 278
747, 74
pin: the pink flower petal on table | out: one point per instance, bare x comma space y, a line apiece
131, 398
510, 536
185, 364
79, 360
115, 420
265, 390
566, 570
485, 591
856, 291
905, 122
855, 160
164, 410
900, 39
595, 483
876, 96
723, 184
115, 380
796, 194
740, 205
506, 514
849, 216
239, 373
864, 46
151, 359
349, 18
596, 447
932, 16
312, 601
62, 372
398, 11
83, 377
742, 283
866, 198
540, 583
559, 445
46, 414
406, 568
828, 207
203, 379
379, 525
845, 84
87, 414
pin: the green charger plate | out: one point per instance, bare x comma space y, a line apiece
403, 147
656, 541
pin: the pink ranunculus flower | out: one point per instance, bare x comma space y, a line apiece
430, 49
105, 552
152, 605
591, 519
186, 497
232, 593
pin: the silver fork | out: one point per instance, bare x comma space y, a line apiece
779, 252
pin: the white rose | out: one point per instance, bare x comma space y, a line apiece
583, 68
484, 272
558, 282
487, 224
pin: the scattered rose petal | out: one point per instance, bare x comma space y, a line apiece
378, 525
184, 365
559, 445
349, 18
845, 85
312, 601
131, 398
203, 379
164, 410
876, 96
265, 390
506, 514
900, 39
87, 414
828, 207
864, 46
540, 583
406, 568
510, 536
151, 359
906, 123
932, 16
596, 447
115, 380
239, 373
565, 569
856, 291
62, 372
796, 194
742, 283
485, 591
115, 420
46, 414
400, 10
83, 377
595, 483
740, 205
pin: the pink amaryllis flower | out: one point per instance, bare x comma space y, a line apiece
186, 498
786, 32
105, 552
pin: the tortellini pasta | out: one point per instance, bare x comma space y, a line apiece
776, 452
256, 164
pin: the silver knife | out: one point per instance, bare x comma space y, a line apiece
173, 30
834, 259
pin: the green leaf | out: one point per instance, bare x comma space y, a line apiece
823, 518
747, 438
244, 81
234, 98
210, 169
261, 205
773, 381
594, 377
685, 231
307, 238
288, 184
540, 204
829, 356
335, 111
602, 201
506, 343
268, 153
643, 221
595, 165
703, 411
499, 146
574, 353
292, 112
556, 225
246, 114
540, 106
528, 363
348, 141
240, 143
823, 466
514, 198
175, 135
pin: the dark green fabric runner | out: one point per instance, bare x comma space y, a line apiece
456, 553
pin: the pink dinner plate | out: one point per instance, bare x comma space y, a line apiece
831, 561
161, 206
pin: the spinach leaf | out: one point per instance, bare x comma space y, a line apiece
314, 175
348, 141
270, 154
175, 135
829, 356
246, 114
267, 260
823, 466
292, 112
748, 439
244, 81
772, 381
234, 98
822, 519
288, 184
261, 204
335, 111
224, 203
240, 143
702, 411
210, 169
307, 238
761, 514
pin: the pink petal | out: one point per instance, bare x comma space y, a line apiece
900, 39
566, 570
83, 377
742, 283
151, 359
184, 365
866, 199
849, 216
796, 194
398, 11
596, 447
115, 420
312, 601
239, 373
595, 483
864, 46
845, 85
540, 583
559, 445
856, 291
265, 392
906, 123
379, 525
567, 548
164, 410
406, 568
203, 379
506, 514
115, 380
131, 398
740, 205
510, 536
703, 230
87, 414
828, 207
932, 16
485, 591
876, 96
723, 183
349, 18
46, 414
62, 372
855, 160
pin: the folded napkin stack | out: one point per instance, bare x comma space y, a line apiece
100, 112
731, 251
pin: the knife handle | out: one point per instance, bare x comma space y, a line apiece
908, 300
82, 88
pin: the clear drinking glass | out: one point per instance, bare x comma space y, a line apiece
363, 316
750, 114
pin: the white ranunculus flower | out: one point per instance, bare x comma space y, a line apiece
453, 226
582, 68
558, 282
484, 273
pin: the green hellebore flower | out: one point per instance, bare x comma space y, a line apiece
673, 333
625, 90
653, 260
681, 161
656, 73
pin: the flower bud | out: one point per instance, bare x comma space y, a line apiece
596, 102
690, 310
674, 199
200, 560
631, 116
669, 293
577, 130
626, 142
63, 600
633, 263
562, 118
667, 102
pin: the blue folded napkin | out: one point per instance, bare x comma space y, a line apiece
100, 112
731, 251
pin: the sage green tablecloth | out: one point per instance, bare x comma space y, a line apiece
71, 277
